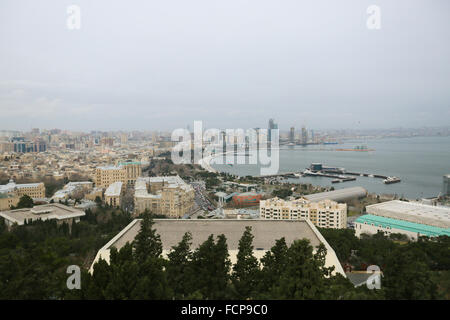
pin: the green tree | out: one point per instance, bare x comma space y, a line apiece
273, 262
407, 276
25, 201
246, 270
147, 242
178, 267
210, 269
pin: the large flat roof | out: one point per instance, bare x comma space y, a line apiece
413, 212
44, 212
338, 195
265, 232
384, 222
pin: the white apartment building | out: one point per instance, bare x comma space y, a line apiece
323, 214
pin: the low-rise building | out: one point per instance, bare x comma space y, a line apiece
113, 195
412, 219
60, 212
324, 214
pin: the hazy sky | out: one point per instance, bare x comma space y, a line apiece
232, 63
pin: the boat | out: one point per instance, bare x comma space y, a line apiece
391, 179
357, 148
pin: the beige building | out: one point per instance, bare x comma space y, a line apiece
126, 172
60, 212
113, 195
34, 190
169, 196
7, 201
324, 214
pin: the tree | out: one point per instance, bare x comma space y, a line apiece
178, 267
210, 269
25, 201
304, 275
274, 262
246, 270
407, 276
147, 242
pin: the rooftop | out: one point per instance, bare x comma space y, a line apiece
43, 212
338, 195
384, 222
265, 232
413, 212
114, 189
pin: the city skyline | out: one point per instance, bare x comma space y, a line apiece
158, 65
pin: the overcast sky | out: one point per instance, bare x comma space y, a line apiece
146, 65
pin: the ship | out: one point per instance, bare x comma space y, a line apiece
357, 148
391, 179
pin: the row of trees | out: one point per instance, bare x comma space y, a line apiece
139, 271
34, 257
412, 270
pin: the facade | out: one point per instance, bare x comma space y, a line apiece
339, 195
412, 219
169, 196
126, 172
265, 232
324, 214
34, 190
113, 195
133, 171
7, 201
372, 224
246, 199
60, 212
105, 176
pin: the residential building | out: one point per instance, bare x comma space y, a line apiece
169, 196
126, 172
324, 214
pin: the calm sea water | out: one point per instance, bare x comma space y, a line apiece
420, 162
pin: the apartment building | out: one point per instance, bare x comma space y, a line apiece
169, 196
34, 190
324, 214
126, 172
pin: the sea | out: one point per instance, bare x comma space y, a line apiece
420, 163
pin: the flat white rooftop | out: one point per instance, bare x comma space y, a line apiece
44, 212
114, 189
413, 212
